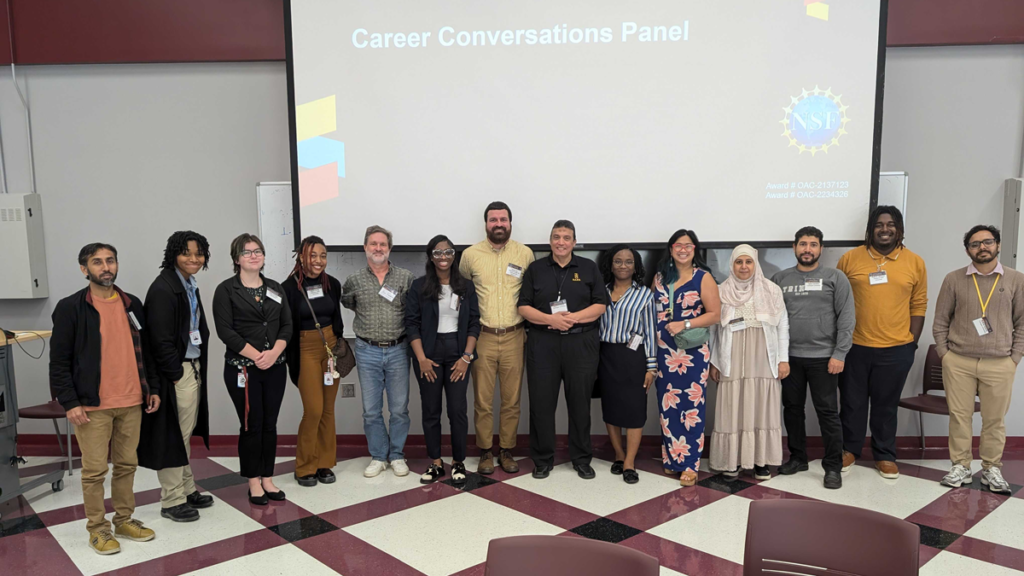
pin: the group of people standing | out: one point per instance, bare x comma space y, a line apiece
132, 375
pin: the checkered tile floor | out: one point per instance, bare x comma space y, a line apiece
395, 526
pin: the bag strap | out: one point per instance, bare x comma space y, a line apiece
302, 289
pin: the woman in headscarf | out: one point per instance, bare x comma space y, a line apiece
749, 358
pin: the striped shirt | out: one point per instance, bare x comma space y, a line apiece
632, 314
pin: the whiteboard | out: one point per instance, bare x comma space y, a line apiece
892, 191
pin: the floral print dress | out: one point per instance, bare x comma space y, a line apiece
682, 378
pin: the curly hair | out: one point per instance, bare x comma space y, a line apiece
177, 245
302, 254
605, 263
897, 218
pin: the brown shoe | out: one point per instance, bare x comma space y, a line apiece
486, 465
688, 478
887, 469
508, 463
848, 460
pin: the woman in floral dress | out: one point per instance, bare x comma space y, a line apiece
686, 297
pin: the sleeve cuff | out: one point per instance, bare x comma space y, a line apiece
840, 356
652, 364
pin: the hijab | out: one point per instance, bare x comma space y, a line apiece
768, 303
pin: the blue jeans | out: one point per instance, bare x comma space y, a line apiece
384, 370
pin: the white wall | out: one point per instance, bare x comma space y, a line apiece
128, 154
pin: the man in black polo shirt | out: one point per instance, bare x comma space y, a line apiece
562, 298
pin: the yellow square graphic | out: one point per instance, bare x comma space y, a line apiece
818, 10
315, 118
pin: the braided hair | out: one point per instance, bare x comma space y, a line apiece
302, 254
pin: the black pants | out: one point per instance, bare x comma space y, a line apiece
446, 353
257, 446
874, 375
813, 373
553, 358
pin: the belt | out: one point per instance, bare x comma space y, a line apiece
500, 331
573, 330
386, 344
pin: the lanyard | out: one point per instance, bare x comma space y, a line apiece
885, 258
984, 305
193, 304
559, 297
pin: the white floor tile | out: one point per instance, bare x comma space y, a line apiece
278, 561
863, 488
233, 464
669, 572
44, 499
720, 528
603, 495
1004, 525
219, 522
350, 488
950, 564
417, 536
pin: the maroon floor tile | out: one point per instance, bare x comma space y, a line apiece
385, 505
272, 514
16, 507
36, 553
478, 570
758, 492
205, 468
286, 467
348, 555
925, 554
683, 558
203, 556
77, 512
988, 552
1013, 471
657, 511
535, 505
29, 471
957, 510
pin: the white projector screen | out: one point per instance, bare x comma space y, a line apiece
743, 120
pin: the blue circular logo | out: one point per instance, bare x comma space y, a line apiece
815, 120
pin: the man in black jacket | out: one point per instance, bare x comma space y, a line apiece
98, 356
178, 337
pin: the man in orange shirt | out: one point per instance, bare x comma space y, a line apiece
98, 374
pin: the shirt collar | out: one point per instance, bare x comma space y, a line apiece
895, 254
189, 284
997, 270
572, 261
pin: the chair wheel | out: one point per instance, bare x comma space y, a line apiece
57, 486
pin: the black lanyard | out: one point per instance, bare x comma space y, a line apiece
559, 297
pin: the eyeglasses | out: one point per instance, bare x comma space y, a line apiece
622, 263
248, 253
440, 253
683, 247
987, 243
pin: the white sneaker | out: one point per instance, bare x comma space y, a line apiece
399, 467
993, 478
958, 475
376, 467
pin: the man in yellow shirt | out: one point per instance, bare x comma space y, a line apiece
496, 267
890, 293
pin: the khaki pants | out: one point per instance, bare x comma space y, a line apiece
498, 357
991, 379
118, 427
177, 483
317, 442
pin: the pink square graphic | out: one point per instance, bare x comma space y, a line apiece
318, 184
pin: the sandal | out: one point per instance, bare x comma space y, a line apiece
688, 478
629, 476
458, 474
669, 472
433, 473
617, 467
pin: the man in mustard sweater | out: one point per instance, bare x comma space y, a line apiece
979, 334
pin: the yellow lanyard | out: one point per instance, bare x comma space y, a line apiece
984, 304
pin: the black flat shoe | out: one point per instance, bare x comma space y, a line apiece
197, 500
833, 480
584, 471
275, 496
541, 472
258, 500
325, 476
458, 474
629, 476
617, 467
434, 473
308, 480
792, 467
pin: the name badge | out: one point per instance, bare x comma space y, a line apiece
241, 379
328, 379
879, 277
634, 342
315, 292
737, 325
514, 271
388, 293
273, 296
813, 285
559, 306
983, 326
455, 303
195, 338
135, 321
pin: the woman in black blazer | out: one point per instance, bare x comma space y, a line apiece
255, 324
317, 444
442, 321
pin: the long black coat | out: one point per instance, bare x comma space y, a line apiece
167, 312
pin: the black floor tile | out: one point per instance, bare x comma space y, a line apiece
222, 481
473, 481
20, 525
606, 530
937, 538
720, 483
303, 528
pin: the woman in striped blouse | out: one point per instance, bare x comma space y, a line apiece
627, 367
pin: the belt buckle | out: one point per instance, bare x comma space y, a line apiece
500, 331
383, 344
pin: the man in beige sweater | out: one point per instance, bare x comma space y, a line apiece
979, 334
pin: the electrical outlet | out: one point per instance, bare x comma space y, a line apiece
348, 390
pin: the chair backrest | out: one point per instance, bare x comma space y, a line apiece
807, 537
932, 371
565, 556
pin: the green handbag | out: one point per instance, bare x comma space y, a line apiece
691, 338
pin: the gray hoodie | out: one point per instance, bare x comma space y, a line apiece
821, 322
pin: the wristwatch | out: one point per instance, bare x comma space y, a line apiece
468, 357
686, 323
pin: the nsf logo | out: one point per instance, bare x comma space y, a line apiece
815, 120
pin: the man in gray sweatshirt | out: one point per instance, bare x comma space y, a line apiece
821, 319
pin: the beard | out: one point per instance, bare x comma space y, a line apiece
984, 257
814, 259
379, 259
105, 282
499, 234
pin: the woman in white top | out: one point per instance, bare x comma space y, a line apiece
749, 358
